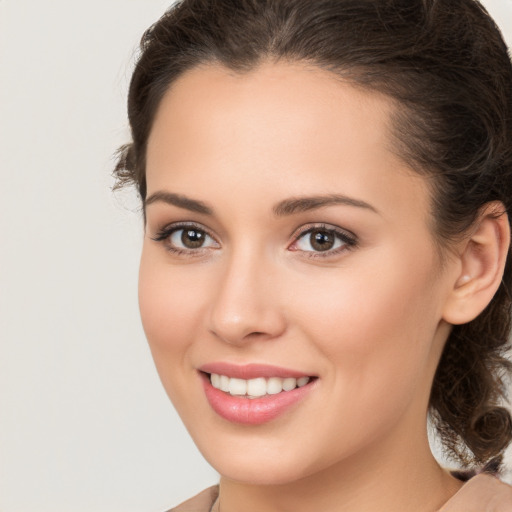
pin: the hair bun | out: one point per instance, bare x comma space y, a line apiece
489, 433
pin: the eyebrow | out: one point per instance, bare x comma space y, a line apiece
180, 201
284, 208
304, 204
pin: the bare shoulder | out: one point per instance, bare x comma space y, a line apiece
482, 493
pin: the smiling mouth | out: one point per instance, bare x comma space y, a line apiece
258, 387
254, 394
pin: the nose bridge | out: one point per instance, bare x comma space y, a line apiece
246, 303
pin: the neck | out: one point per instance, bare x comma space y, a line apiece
383, 478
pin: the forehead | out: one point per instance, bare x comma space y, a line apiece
292, 101
280, 129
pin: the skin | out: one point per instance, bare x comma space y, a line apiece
370, 320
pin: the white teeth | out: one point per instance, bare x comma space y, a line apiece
302, 381
237, 387
289, 384
215, 380
224, 383
255, 388
274, 385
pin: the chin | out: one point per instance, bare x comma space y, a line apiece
260, 473
260, 464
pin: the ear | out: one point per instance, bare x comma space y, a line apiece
481, 261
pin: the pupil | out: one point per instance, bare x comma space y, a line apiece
192, 238
321, 241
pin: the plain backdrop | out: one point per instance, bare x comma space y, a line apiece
84, 422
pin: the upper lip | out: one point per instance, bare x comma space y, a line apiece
251, 371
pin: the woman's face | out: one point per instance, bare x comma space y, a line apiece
285, 239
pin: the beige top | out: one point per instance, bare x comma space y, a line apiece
482, 493
203, 502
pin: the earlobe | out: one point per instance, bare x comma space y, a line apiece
482, 259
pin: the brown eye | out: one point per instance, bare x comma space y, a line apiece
324, 240
186, 238
192, 238
321, 240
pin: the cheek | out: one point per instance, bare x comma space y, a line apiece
373, 329
375, 322
169, 302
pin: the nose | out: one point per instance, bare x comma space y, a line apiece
246, 307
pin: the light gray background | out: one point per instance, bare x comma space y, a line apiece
84, 422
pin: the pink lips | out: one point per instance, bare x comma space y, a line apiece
251, 411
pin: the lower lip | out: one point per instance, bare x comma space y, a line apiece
252, 411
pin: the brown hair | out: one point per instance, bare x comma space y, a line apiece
445, 63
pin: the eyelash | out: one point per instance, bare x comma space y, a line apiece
348, 239
164, 234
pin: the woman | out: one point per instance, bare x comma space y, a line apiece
326, 261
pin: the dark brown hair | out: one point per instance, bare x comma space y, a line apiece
445, 64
